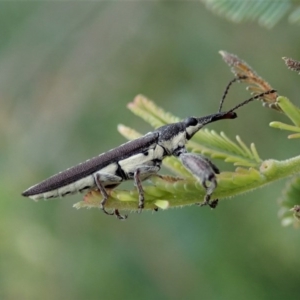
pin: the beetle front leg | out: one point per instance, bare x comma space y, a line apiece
139, 172
204, 170
209, 190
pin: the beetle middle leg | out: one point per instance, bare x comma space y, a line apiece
204, 170
140, 174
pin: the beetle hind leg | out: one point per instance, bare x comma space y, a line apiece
105, 196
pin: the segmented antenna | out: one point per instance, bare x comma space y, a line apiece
228, 87
253, 98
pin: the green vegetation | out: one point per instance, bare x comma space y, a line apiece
68, 70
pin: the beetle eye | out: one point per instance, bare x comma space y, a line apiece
190, 121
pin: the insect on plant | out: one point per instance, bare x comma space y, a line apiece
139, 159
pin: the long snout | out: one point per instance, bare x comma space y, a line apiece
216, 117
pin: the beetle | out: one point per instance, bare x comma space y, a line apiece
138, 160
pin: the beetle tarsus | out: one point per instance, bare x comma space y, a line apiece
107, 212
211, 203
104, 194
119, 216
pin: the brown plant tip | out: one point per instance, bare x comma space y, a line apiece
239, 67
256, 84
292, 64
170, 179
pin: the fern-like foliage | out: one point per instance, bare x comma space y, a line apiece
267, 12
168, 191
289, 203
251, 173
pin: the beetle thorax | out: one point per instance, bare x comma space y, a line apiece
175, 142
172, 137
192, 129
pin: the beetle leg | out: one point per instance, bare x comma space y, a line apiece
138, 173
119, 216
104, 194
204, 170
138, 184
209, 190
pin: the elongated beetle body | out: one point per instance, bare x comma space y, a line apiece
137, 160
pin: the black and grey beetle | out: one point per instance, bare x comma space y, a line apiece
137, 160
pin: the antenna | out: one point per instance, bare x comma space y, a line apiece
252, 98
228, 87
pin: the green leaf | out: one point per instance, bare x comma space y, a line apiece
292, 112
294, 17
289, 203
208, 142
149, 112
266, 12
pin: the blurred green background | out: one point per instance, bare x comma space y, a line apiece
67, 71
